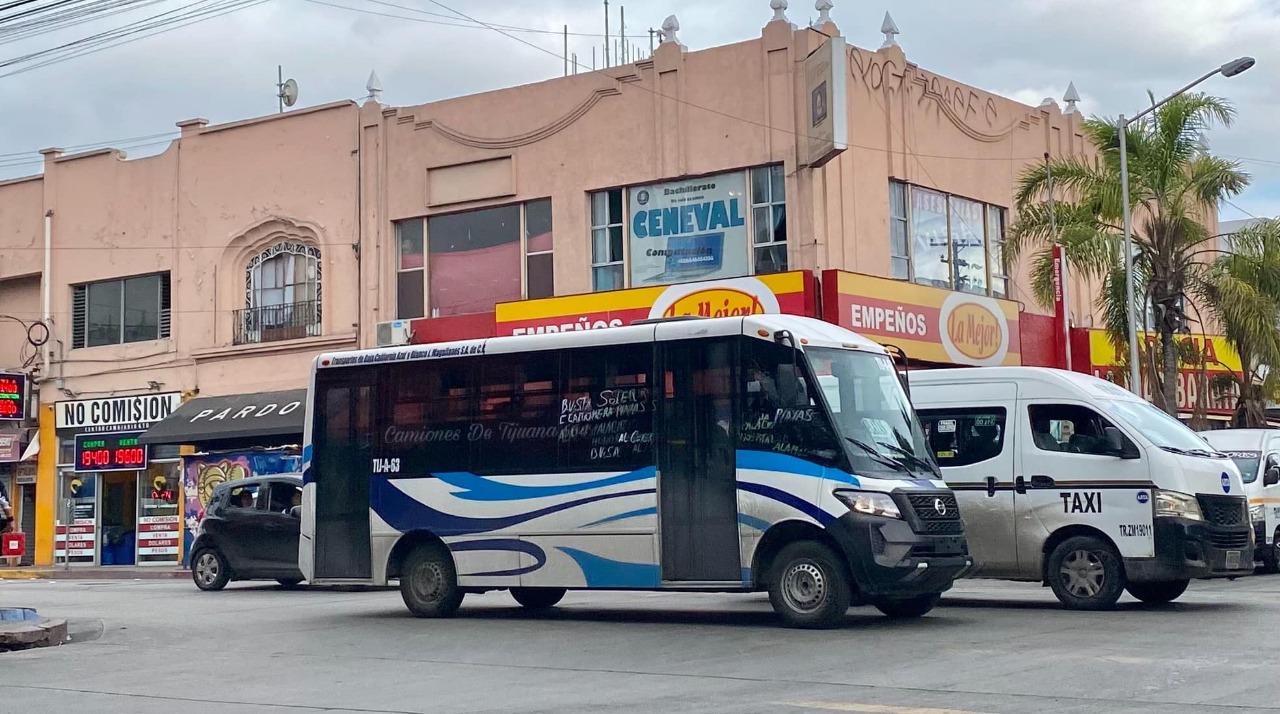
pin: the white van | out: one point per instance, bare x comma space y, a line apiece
1070, 480
1251, 448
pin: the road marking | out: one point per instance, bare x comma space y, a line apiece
872, 708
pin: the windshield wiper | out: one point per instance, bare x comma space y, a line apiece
1192, 452
876, 455
908, 456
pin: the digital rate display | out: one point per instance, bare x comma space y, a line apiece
13, 397
110, 452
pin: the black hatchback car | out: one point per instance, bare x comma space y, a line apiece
250, 532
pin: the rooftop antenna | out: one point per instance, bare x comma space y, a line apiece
286, 89
622, 31
606, 33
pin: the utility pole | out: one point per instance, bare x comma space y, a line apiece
566, 50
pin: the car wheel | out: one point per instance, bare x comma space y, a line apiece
809, 586
1086, 573
209, 570
1271, 556
429, 583
288, 583
1158, 593
537, 598
911, 607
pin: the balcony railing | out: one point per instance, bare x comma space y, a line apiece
272, 323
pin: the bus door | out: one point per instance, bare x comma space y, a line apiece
697, 476
342, 469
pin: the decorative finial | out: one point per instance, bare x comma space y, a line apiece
779, 10
374, 87
1048, 102
890, 30
670, 27
824, 12
1071, 97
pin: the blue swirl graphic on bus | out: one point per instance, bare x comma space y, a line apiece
506, 545
480, 488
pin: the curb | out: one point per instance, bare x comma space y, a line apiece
92, 574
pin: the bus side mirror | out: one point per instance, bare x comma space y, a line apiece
1272, 476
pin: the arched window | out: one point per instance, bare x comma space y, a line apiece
282, 294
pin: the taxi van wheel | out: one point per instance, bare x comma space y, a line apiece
905, 608
429, 583
809, 586
209, 570
537, 598
1086, 573
1158, 593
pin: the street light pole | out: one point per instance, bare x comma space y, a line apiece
1230, 69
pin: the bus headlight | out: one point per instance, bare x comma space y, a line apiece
1256, 513
1177, 505
871, 503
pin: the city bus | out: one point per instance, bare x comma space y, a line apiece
736, 454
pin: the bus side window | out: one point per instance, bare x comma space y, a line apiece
517, 429
779, 411
606, 411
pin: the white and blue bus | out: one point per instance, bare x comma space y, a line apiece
738, 454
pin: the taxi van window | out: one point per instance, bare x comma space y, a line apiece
1070, 428
960, 437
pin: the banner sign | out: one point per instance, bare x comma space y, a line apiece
115, 413
1215, 356
792, 293
689, 230
825, 72
928, 323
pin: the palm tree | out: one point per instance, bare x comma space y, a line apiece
1241, 292
1174, 188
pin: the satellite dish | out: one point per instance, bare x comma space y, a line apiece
289, 92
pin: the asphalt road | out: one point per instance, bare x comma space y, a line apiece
162, 647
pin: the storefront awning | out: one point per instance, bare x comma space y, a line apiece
235, 421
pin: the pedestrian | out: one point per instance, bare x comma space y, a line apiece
6, 510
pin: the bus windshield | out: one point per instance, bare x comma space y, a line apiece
872, 412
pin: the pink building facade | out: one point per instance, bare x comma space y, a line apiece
223, 265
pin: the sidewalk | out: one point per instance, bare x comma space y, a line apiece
111, 572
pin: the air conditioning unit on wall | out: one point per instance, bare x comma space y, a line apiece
393, 332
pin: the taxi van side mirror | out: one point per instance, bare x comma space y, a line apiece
1272, 476
1116, 444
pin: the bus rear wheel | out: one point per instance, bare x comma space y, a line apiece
537, 598
429, 583
809, 586
1158, 593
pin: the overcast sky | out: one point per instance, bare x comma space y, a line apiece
225, 68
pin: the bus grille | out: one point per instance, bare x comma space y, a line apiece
937, 513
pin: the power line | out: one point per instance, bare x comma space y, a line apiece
444, 23
149, 27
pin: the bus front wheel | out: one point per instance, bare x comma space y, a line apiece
429, 583
809, 586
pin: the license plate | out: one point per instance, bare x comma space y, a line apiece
1233, 559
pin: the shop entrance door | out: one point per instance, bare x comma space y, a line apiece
119, 518
27, 517
77, 519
